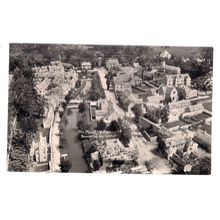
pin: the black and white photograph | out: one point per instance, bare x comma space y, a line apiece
110, 109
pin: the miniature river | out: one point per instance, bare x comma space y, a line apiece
73, 145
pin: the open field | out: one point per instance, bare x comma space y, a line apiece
175, 51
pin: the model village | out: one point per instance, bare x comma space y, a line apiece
114, 118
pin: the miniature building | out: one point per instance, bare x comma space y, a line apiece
113, 149
42, 87
196, 108
203, 136
174, 143
186, 93
136, 81
136, 65
169, 93
99, 61
48, 71
177, 108
112, 64
122, 82
39, 149
152, 113
169, 69
86, 65
154, 100
165, 54
191, 146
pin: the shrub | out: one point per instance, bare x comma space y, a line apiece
101, 125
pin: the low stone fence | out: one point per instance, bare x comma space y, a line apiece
145, 123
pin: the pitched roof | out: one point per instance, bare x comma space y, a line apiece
165, 54
86, 64
44, 84
154, 98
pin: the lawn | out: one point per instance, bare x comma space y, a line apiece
207, 128
208, 106
174, 124
196, 118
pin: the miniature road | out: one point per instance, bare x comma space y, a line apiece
55, 152
110, 96
73, 144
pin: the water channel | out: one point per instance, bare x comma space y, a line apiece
73, 144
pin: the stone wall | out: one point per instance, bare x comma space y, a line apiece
145, 123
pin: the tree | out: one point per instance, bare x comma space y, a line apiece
101, 125
137, 111
125, 136
94, 95
17, 160
96, 91
28, 106
108, 81
82, 107
202, 167
164, 114
65, 165
83, 125
78, 83
114, 126
96, 165
18, 154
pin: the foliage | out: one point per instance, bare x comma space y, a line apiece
23, 94
96, 91
114, 126
78, 83
202, 167
96, 165
18, 154
83, 122
137, 111
101, 125
124, 132
123, 103
164, 114
27, 105
125, 136
65, 165
194, 68
160, 114
82, 107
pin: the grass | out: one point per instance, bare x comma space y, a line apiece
174, 124
208, 106
207, 128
